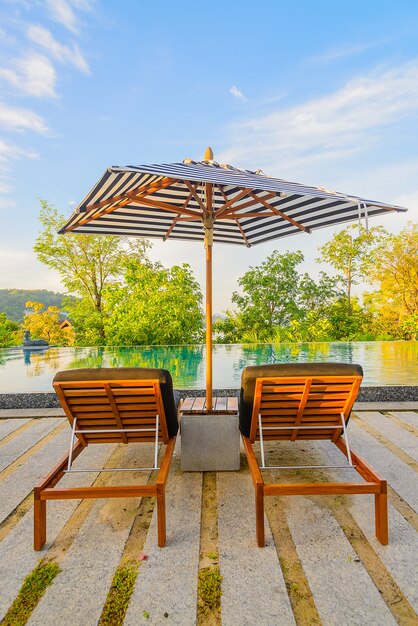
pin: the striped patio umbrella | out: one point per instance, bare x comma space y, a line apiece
211, 202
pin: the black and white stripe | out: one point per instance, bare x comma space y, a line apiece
312, 207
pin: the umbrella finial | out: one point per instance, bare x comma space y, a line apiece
208, 156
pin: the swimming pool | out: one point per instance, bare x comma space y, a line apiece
384, 362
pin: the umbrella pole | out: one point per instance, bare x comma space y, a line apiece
209, 327
208, 227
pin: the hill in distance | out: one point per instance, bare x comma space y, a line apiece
12, 301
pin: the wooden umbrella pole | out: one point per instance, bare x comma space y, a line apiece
208, 226
209, 327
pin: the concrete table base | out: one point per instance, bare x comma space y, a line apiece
209, 443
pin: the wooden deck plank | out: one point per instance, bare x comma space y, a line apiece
187, 404
221, 404
199, 404
232, 404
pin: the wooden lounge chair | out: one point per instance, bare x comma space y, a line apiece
298, 401
112, 406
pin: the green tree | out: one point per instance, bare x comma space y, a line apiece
352, 326
10, 333
395, 267
155, 305
269, 294
45, 324
351, 255
87, 265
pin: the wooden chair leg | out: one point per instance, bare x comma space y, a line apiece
161, 521
381, 517
259, 515
39, 521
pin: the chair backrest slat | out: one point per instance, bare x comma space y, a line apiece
111, 405
306, 402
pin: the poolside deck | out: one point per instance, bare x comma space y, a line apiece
321, 564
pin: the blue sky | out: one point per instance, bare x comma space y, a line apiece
321, 92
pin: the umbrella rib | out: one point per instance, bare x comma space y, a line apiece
166, 207
277, 212
150, 188
228, 203
247, 243
195, 195
176, 219
245, 205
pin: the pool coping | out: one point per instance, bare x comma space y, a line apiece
47, 400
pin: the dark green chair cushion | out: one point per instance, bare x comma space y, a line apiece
170, 398
251, 373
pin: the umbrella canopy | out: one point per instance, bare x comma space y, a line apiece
211, 202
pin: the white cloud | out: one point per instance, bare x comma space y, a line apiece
15, 118
237, 93
33, 74
62, 13
344, 51
329, 127
5, 187
7, 203
57, 50
9, 150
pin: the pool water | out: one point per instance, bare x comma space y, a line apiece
384, 362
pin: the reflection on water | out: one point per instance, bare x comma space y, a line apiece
384, 362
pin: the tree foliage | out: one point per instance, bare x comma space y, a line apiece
279, 304
155, 305
44, 323
351, 255
87, 264
10, 333
269, 293
394, 267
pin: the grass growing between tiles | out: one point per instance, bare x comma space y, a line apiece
209, 577
209, 591
32, 590
119, 595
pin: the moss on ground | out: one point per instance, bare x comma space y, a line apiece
32, 590
209, 591
119, 596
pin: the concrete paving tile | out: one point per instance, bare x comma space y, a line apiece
167, 581
17, 556
397, 435
342, 589
8, 426
400, 477
386, 406
410, 417
20, 483
79, 592
400, 555
20, 413
14, 448
253, 588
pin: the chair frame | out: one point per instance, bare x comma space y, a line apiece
45, 489
373, 484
